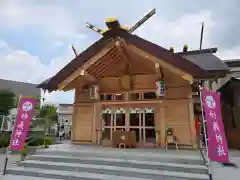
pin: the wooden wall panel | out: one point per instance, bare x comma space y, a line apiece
183, 135
176, 87
144, 81
107, 85
177, 92
177, 113
82, 96
177, 117
83, 123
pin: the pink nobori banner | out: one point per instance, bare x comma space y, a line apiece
217, 143
25, 114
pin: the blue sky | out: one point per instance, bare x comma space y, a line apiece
36, 35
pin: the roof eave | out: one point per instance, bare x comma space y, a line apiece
208, 50
213, 74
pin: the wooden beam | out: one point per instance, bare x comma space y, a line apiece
122, 48
67, 81
80, 71
161, 62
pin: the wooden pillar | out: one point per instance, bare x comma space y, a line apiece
127, 120
127, 114
96, 124
157, 119
162, 126
126, 96
77, 95
94, 128
192, 124
74, 119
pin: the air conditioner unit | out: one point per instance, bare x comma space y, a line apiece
94, 92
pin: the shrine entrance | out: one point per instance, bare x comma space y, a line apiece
139, 120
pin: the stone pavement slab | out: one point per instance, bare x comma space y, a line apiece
223, 173
12, 158
13, 177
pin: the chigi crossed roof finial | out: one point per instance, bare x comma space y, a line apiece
113, 23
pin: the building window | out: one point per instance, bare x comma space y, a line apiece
120, 119
102, 97
135, 96
134, 119
106, 134
149, 119
106, 119
149, 95
106, 97
119, 97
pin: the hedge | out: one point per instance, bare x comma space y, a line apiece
36, 139
4, 140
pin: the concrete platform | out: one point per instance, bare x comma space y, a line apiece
91, 162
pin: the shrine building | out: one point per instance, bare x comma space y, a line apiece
124, 82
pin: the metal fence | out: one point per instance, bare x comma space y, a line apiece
6, 123
37, 124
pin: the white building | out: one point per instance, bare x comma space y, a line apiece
65, 112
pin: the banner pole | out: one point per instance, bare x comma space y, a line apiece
205, 134
8, 148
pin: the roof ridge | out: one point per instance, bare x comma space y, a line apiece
198, 51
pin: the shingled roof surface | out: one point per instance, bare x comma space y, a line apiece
179, 60
207, 61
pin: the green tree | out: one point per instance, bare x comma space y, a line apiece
47, 115
7, 101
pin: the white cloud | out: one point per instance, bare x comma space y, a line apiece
53, 19
229, 54
61, 23
59, 43
185, 30
3, 45
21, 66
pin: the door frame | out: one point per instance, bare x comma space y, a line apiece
142, 122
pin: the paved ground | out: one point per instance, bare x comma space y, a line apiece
223, 173
11, 160
219, 172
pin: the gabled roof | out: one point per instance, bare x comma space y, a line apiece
175, 59
209, 50
207, 61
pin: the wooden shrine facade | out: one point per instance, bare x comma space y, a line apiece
115, 89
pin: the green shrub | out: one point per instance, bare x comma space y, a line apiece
48, 140
24, 152
39, 141
35, 141
46, 146
4, 140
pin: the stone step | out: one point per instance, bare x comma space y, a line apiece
175, 157
92, 162
115, 173
152, 165
18, 177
